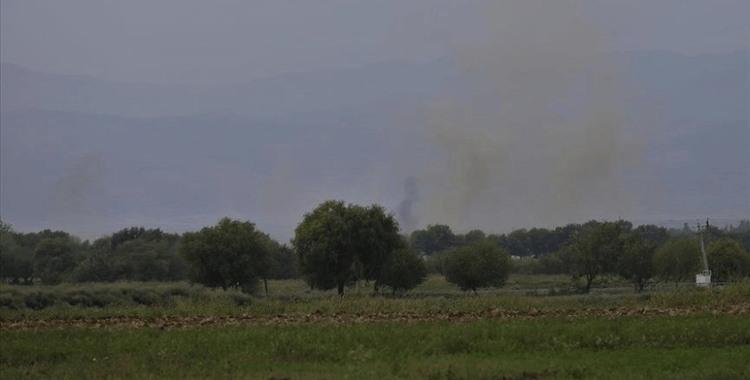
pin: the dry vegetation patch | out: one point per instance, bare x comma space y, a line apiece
318, 317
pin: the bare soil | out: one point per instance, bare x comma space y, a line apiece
177, 322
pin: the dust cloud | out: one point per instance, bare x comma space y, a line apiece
534, 132
74, 202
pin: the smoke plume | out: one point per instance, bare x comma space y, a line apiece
75, 200
533, 133
405, 213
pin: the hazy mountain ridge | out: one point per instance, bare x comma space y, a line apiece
77, 149
273, 97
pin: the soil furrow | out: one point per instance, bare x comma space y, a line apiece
182, 322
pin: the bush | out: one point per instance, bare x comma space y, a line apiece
38, 300
10, 301
239, 299
79, 299
478, 265
404, 271
145, 297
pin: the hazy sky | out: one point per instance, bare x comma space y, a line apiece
196, 41
535, 127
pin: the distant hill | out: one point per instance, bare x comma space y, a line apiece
88, 155
315, 92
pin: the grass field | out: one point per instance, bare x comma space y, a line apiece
434, 332
701, 346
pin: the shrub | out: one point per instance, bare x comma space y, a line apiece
404, 271
38, 300
145, 297
478, 265
10, 301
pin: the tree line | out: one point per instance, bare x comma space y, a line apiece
339, 244
595, 249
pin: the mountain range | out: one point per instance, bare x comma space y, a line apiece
92, 156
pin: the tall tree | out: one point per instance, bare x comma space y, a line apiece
593, 252
133, 254
727, 260
55, 259
653, 233
679, 259
337, 244
232, 254
636, 262
16, 262
436, 238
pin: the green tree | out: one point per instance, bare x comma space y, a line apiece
636, 262
232, 254
743, 237
594, 251
653, 233
97, 265
518, 243
55, 259
470, 237
141, 260
436, 238
727, 260
134, 254
5, 227
478, 265
284, 262
552, 264
16, 262
679, 259
337, 244
404, 270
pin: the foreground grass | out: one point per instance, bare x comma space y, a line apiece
699, 346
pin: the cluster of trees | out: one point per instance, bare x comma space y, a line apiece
643, 256
235, 254
595, 249
337, 245
132, 254
439, 238
52, 257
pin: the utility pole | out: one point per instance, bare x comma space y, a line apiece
703, 278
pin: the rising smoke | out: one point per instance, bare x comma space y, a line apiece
405, 213
534, 133
74, 202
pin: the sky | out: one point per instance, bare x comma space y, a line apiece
194, 41
507, 114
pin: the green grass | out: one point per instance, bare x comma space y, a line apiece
699, 346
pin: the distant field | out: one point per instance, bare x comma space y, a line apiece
175, 330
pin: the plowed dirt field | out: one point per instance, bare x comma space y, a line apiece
177, 322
